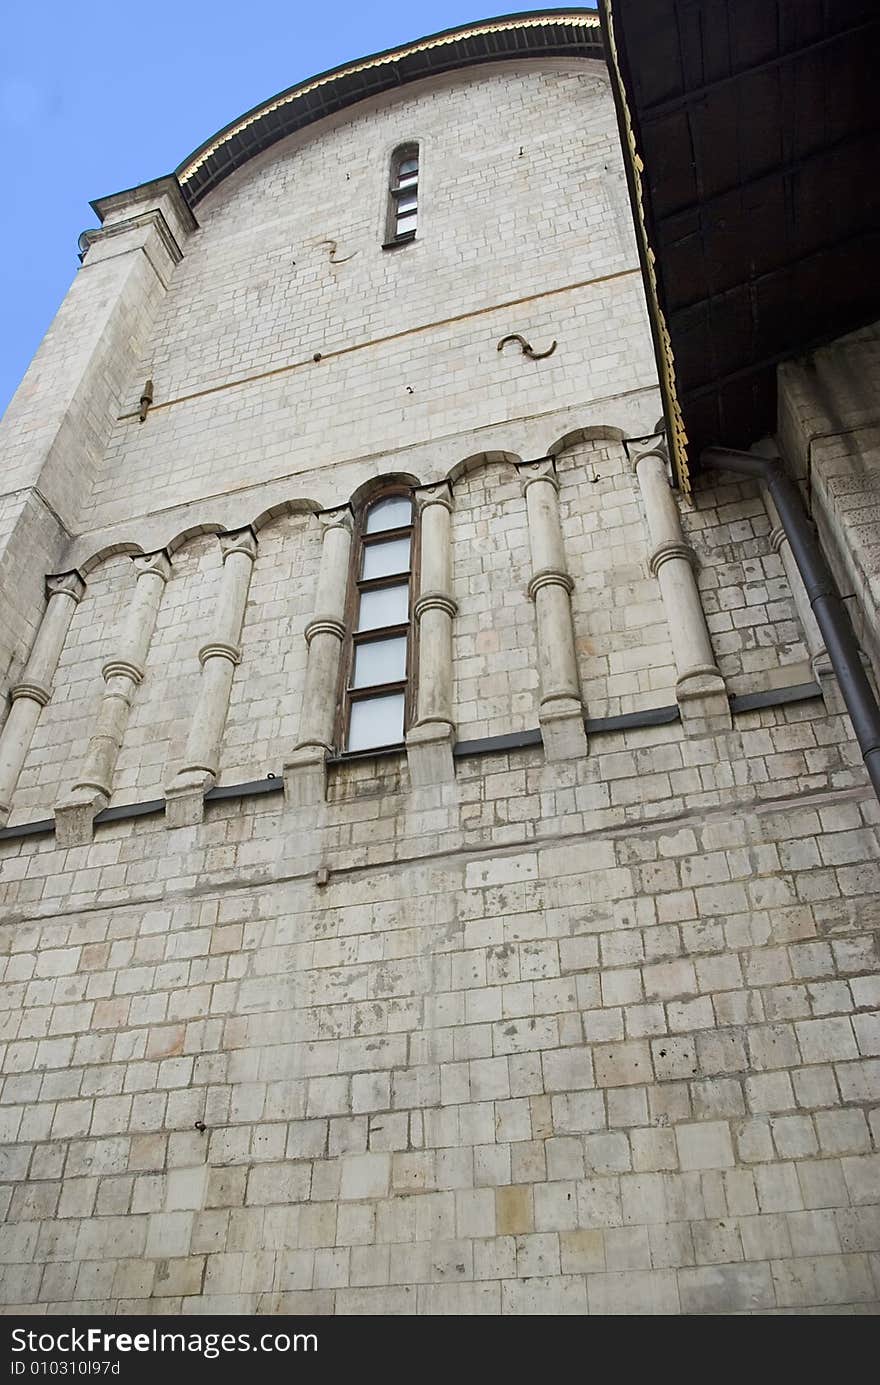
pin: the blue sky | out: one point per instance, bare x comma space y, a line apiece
101, 95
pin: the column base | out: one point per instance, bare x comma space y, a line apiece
429, 754
703, 703
75, 817
562, 729
305, 776
185, 798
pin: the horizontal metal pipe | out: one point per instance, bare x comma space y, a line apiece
831, 615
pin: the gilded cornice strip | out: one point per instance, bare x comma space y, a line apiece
666, 359
576, 21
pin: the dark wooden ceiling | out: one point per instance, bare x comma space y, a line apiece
757, 124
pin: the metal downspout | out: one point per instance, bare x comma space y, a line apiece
830, 612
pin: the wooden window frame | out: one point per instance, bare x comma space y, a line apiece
410, 150
347, 695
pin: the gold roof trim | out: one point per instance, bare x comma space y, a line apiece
665, 358
584, 21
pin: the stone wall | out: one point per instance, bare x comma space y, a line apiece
594, 1037
581, 1026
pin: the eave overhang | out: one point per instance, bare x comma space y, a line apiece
750, 137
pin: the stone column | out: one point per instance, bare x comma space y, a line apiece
75, 813
561, 714
429, 742
699, 688
185, 795
30, 696
305, 773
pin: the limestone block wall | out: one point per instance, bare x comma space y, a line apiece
263, 719
755, 632
624, 655
164, 702
490, 217
573, 1026
597, 1037
495, 660
537, 242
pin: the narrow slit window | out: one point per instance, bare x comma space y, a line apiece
403, 196
378, 665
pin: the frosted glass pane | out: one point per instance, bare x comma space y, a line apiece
406, 223
385, 559
387, 606
376, 721
380, 661
393, 513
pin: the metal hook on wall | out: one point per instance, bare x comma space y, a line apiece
526, 349
333, 248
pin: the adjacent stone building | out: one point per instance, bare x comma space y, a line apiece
437, 873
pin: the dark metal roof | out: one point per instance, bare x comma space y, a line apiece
756, 125
533, 34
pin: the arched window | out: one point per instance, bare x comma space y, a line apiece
403, 196
379, 653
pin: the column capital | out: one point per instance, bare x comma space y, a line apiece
549, 577
153, 564
219, 649
238, 541
123, 668
65, 584
340, 517
324, 625
439, 493
659, 453
37, 692
543, 469
665, 552
435, 601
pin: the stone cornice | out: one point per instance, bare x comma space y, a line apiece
117, 203
153, 217
545, 34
